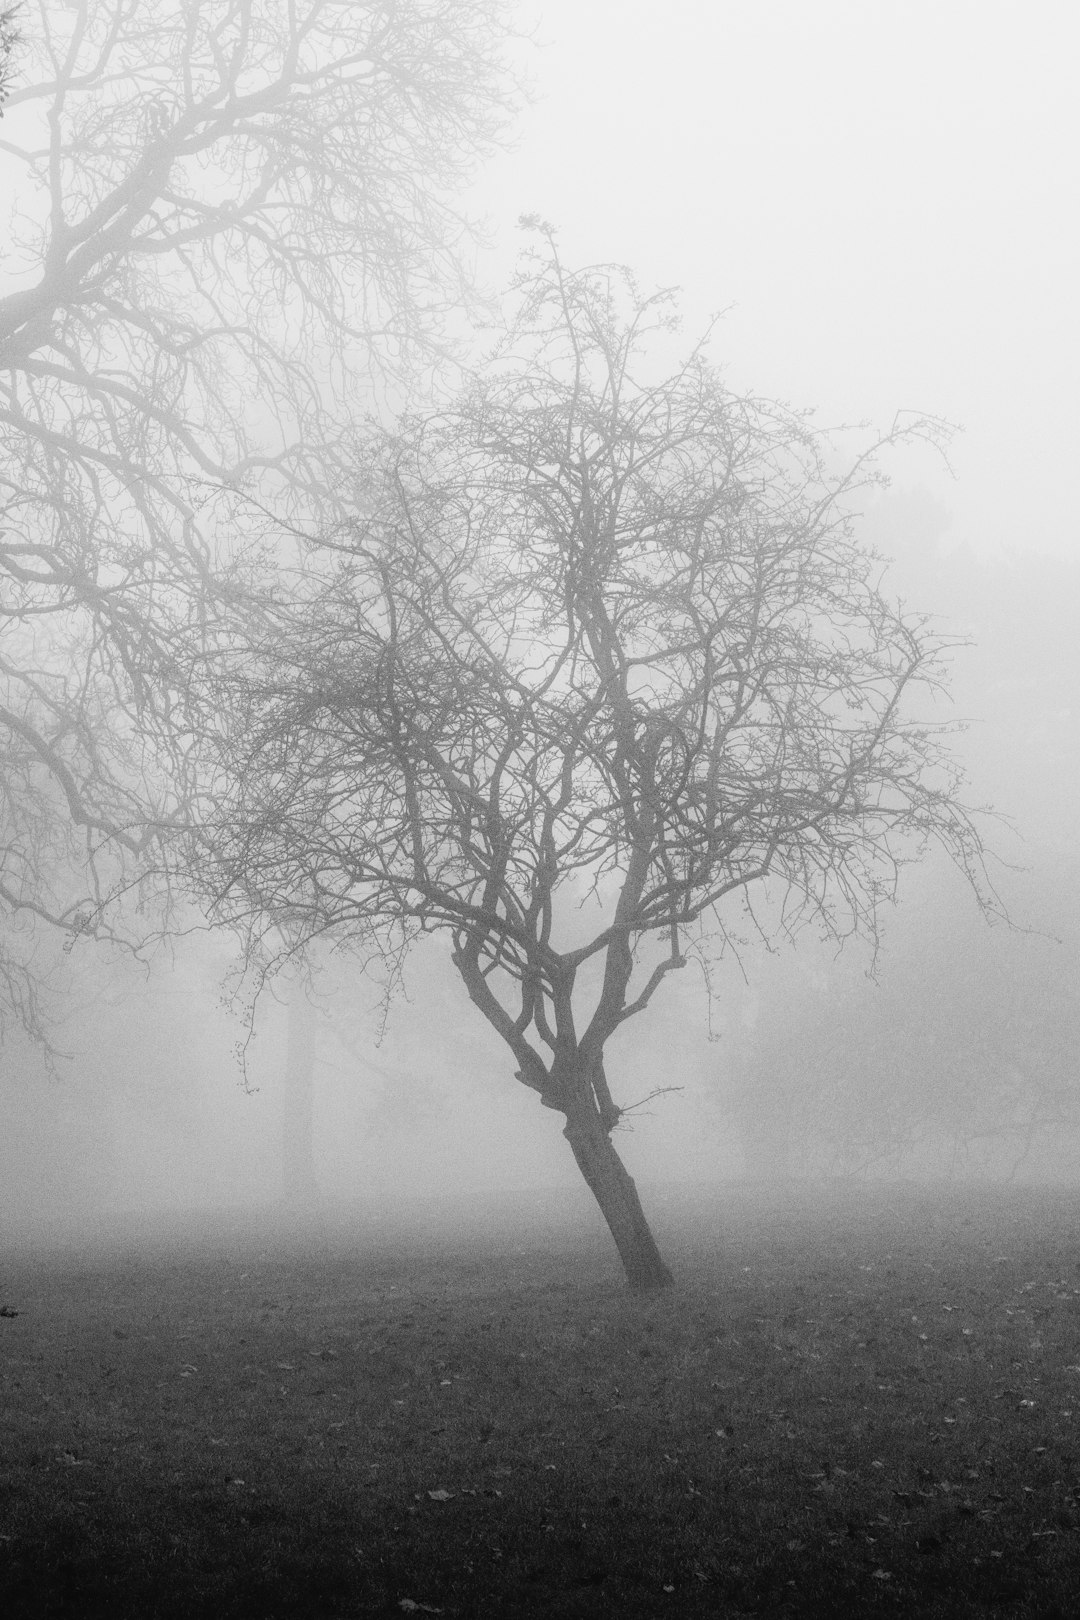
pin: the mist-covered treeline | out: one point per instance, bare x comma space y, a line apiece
953, 1050
958, 1057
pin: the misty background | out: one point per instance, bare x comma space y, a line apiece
883, 201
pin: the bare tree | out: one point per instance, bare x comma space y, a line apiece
601, 657
235, 225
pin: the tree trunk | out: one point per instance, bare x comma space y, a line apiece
613, 1188
298, 1101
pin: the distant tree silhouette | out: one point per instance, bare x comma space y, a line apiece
235, 224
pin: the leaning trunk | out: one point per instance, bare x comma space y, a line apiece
613, 1188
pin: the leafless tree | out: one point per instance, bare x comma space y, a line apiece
234, 225
601, 656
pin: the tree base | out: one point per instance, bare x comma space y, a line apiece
613, 1188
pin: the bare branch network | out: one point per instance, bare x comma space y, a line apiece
601, 655
233, 224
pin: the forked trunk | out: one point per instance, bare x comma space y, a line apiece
613, 1188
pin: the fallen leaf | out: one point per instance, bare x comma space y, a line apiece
412, 1607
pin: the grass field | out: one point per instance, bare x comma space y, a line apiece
850, 1405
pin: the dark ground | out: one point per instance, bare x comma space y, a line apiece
861, 1402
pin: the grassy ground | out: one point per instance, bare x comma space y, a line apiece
852, 1406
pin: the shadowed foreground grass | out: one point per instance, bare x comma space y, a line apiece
854, 1406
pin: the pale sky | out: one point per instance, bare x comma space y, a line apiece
882, 193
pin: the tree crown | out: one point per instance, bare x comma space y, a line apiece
232, 224
602, 650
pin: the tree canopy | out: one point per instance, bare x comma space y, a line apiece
600, 656
234, 223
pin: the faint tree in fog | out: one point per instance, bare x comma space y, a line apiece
300, 1183
234, 222
9, 38
961, 1057
600, 656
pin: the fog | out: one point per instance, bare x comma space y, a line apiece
883, 202
149, 1109
880, 199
